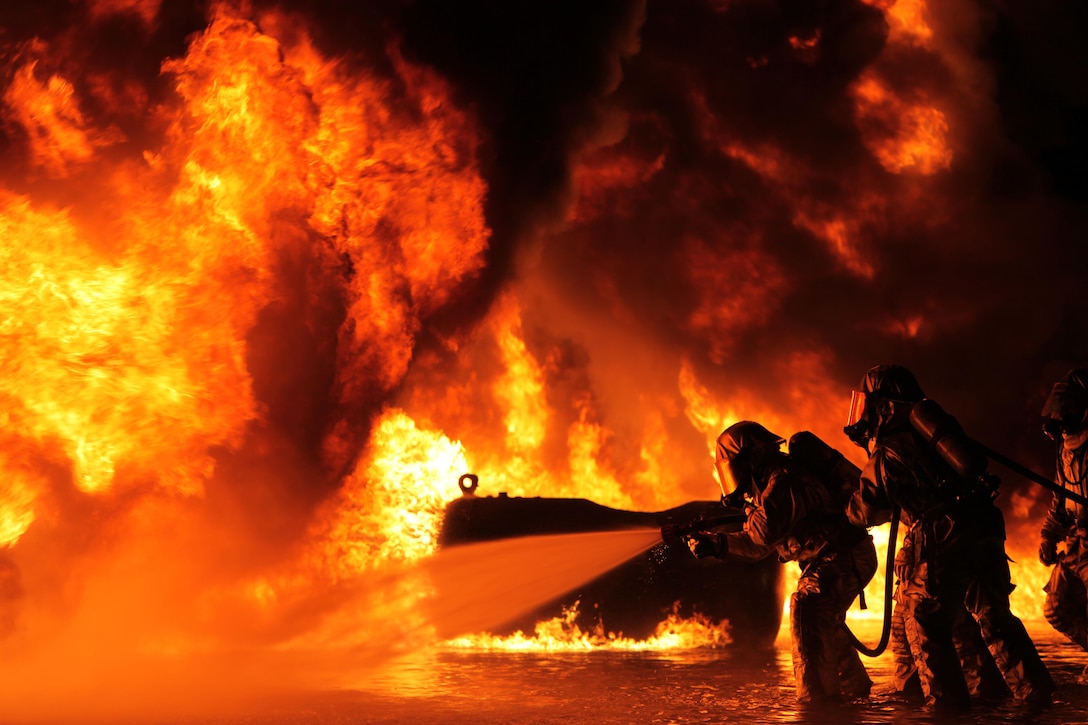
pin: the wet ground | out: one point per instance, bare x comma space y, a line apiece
608, 687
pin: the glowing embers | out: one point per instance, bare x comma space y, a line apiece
902, 135
903, 128
907, 21
564, 634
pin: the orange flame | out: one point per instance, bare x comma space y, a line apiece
92, 348
562, 634
19, 494
390, 508
128, 320
521, 386
907, 22
902, 136
127, 355
58, 132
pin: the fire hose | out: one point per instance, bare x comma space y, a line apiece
674, 534
1033, 476
967, 456
889, 574
889, 586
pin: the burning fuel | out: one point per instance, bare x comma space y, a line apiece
276, 274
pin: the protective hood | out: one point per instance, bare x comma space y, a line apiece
737, 446
1066, 407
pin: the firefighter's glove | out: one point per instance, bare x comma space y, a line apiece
1048, 552
703, 544
670, 534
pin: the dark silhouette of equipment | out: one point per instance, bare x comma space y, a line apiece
635, 597
676, 534
968, 457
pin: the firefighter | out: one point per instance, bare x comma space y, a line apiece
983, 678
793, 513
1066, 422
958, 535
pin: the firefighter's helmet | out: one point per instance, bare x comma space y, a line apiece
892, 383
737, 445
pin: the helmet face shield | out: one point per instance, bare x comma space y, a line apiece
857, 407
858, 428
733, 458
726, 478
884, 390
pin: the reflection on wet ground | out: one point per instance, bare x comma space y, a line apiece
608, 687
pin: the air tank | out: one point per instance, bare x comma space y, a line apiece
839, 474
943, 432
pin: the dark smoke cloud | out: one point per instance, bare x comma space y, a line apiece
991, 260
535, 73
996, 280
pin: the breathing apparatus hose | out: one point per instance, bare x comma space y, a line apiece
1033, 476
889, 588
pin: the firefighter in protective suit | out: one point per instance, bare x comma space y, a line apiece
980, 671
1066, 421
793, 513
958, 544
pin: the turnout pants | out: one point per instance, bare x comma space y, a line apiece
825, 664
1066, 605
969, 569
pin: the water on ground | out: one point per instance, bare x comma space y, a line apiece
623, 688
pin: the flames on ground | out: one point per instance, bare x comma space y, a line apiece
266, 295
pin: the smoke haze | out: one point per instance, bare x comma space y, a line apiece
262, 256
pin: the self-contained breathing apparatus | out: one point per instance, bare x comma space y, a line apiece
961, 467
838, 474
968, 459
966, 478
964, 459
